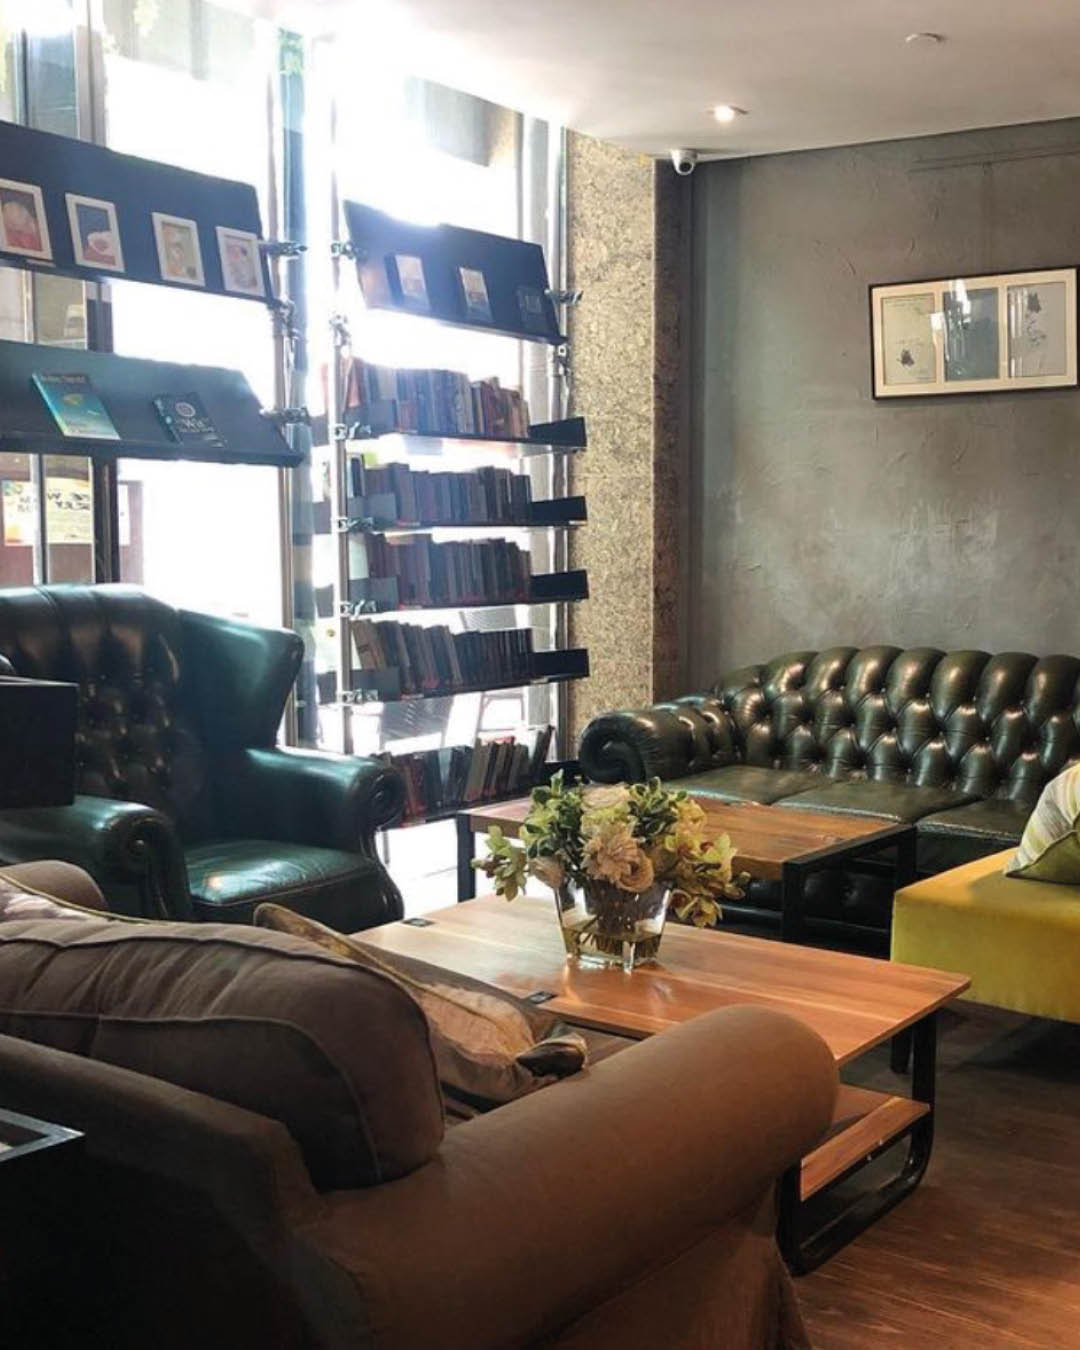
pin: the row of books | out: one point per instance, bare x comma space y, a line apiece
461, 775
431, 402
480, 497
434, 660
459, 572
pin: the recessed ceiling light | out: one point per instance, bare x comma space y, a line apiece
924, 39
727, 112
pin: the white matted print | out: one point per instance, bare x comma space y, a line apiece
966, 335
179, 255
95, 234
23, 227
241, 261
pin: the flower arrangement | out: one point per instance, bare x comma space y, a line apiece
624, 842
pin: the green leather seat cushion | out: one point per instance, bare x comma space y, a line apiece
866, 797
748, 783
964, 833
230, 877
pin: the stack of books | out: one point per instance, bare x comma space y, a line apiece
430, 402
437, 781
461, 572
434, 660
481, 497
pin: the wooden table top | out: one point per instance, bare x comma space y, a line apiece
853, 1002
765, 837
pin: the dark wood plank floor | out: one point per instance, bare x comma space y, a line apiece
985, 1255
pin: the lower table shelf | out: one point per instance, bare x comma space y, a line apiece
863, 1122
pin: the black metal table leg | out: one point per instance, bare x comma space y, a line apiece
466, 842
805, 1251
792, 927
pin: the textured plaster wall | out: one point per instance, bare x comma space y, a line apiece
626, 252
818, 516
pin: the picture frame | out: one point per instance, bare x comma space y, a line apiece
474, 294
24, 226
408, 272
95, 233
995, 333
179, 254
241, 262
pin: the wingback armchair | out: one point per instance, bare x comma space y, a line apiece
185, 806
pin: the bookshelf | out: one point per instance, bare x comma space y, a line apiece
130, 204
390, 533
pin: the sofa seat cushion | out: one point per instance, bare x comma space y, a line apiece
228, 878
1018, 940
964, 833
866, 797
338, 1054
748, 783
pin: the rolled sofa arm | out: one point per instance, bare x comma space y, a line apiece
668, 741
309, 797
132, 851
533, 1214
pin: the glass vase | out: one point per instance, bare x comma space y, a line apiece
603, 925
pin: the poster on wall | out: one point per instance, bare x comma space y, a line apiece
966, 335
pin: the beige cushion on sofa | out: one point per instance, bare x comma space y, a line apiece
266, 1021
1050, 847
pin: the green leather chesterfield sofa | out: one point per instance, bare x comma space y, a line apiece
958, 743
186, 808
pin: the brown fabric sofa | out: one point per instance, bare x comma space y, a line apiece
631, 1206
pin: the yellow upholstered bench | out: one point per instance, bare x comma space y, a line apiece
1018, 940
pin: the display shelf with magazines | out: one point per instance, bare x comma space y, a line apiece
404, 501
55, 400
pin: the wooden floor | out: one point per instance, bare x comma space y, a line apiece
985, 1255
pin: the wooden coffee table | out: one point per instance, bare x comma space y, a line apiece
853, 1002
771, 843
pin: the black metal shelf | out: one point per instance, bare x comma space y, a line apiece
384, 686
126, 386
378, 595
366, 517
566, 437
548, 770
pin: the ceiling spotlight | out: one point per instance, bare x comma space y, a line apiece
727, 112
924, 39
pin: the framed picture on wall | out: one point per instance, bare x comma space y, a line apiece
973, 335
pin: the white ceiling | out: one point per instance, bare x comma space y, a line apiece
810, 72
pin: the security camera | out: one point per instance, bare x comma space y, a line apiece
684, 161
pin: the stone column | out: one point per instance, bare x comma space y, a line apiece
627, 251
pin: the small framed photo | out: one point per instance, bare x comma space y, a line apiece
241, 262
474, 293
23, 227
412, 284
971, 335
179, 255
95, 235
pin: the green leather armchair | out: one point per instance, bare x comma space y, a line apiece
185, 806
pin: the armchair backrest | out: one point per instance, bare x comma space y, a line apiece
996, 726
162, 691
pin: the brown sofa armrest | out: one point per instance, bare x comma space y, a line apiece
246, 1162
59, 881
544, 1208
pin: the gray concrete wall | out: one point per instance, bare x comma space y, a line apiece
819, 516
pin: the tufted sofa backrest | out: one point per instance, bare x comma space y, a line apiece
997, 726
161, 691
